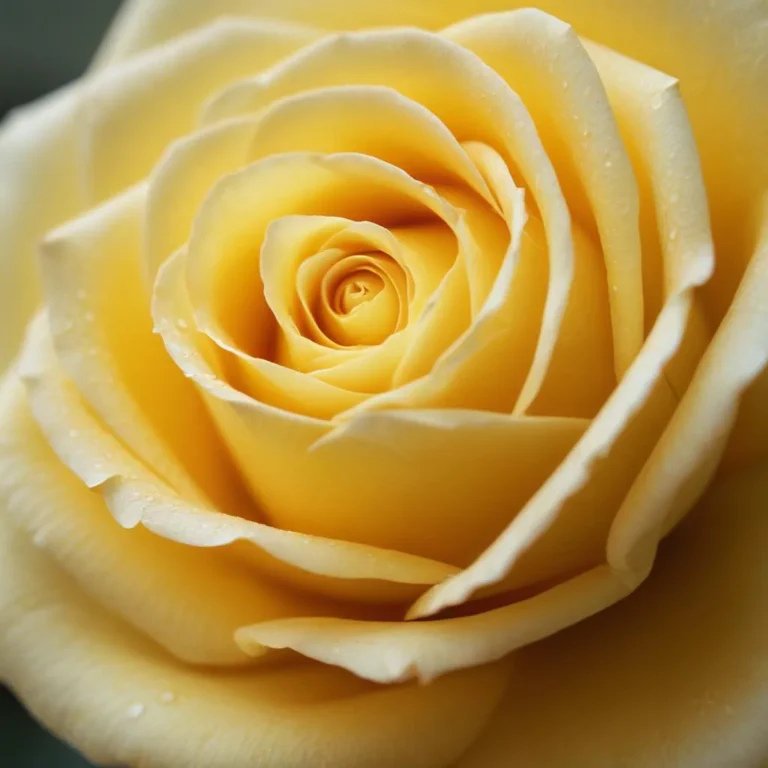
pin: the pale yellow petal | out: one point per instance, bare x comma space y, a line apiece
135, 496
389, 652
225, 284
131, 113
400, 480
40, 186
470, 99
698, 431
726, 102
102, 330
120, 700
674, 676
376, 121
543, 61
190, 600
565, 527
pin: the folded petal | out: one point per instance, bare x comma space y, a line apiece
675, 675
131, 113
121, 700
565, 527
134, 496
102, 330
40, 186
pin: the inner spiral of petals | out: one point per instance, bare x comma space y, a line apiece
360, 300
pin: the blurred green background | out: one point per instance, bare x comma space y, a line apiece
43, 44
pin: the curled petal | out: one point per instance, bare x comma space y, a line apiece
569, 519
40, 186
63, 654
156, 96
674, 675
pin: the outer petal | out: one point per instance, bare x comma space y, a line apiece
39, 188
131, 113
122, 701
673, 677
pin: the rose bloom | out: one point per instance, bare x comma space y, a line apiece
392, 390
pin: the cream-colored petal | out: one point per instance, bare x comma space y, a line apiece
726, 102
401, 480
544, 62
120, 700
371, 119
134, 496
190, 600
376, 121
389, 652
488, 364
132, 112
567, 523
40, 186
470, 99
225, 285
674, 676
289, 240
102, 330
654, 122
698, 431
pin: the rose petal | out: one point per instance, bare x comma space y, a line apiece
224, 283
673, 676
39, 188
121, 700
402, 480
698, 431
389, 652
543, 61
472, 101
569, 519
102, 331
135, 496
131, 113
189, 600
725, 102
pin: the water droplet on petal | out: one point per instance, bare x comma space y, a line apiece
89, 317
167, 697
81, 294
182, 323
135, 711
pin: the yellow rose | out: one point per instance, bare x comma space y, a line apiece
445, 344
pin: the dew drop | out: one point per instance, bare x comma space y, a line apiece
657, 101
73, 433
672, 234
39, 539
89, 317
167, 697
608, 163
135, 711
674, 197
565, 85
81, 294
182, 323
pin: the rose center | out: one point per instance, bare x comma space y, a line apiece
355, 290
360, 300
